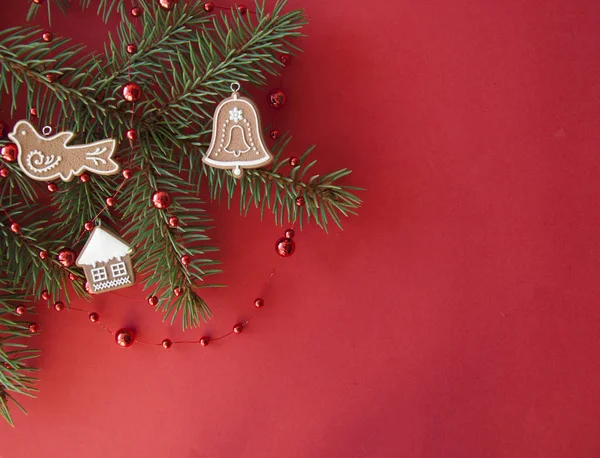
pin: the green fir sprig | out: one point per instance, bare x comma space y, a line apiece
185, 61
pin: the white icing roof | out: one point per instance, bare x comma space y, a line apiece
102, 247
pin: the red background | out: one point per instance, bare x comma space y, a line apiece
456, 317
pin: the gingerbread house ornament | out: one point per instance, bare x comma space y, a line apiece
237, 142
106, 261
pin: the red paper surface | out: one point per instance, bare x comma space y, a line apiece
456, 317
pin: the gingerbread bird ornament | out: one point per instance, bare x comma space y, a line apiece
45, 158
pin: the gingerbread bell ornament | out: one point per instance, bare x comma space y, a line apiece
237, 141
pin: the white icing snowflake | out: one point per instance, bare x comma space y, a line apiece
235, 115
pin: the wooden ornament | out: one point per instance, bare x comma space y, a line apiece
237, 142
46, 158
106, 261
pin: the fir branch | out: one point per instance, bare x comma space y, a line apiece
21, 253
221, 54
15, 373
160, 248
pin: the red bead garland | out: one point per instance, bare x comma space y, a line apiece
124, 337
167, 4
131, 134
277, 98
285, 247
161, 199
132, 92
66, 257
9, 152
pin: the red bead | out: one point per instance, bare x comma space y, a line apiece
131, 134
33, 112
72, 277
173, 221
132, 92
45, 295
59, 306
300, 202
44, 255
277, 98
275, 134
4, 172
289, 234
9, 152
294, 161
94, 317
136, 11
161, 199
131, 48
84, 178
285, 247
52, 187
88, 226
177, 291
167, 4
186, 259
127, 174
238, 328
208, 7
167, 343
87, 287
153, 301
242, 9
284, 59
204, 341
51, 77
124, 337
16, 228
20, 310
38, 2
33, 328
258, 303
66, 257
110, 201
47, 37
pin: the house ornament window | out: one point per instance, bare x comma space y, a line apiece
99, 274
118, 269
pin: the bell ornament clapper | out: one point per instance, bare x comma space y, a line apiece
237, 142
